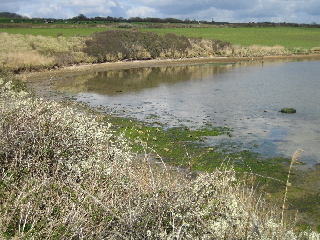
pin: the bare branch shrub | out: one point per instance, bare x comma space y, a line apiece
115, 45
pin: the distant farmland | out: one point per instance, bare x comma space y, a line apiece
54, 32
288, 37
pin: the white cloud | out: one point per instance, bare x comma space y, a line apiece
303, 11
141, 11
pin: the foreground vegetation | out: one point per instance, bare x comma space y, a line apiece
66, 175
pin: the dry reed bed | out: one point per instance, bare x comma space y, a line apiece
65, 175
28, 52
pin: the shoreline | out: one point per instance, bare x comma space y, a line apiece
42, 82
79, 69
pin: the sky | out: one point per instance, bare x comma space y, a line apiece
297, 11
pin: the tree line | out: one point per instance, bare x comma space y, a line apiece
82, 18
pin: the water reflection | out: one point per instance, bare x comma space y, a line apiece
233, 95
118, 82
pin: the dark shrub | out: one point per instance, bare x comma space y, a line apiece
115, 45
174, 45
152, 42
107, 46
218, 45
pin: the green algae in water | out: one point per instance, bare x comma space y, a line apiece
288, 110
183, 147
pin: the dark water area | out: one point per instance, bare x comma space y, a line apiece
245, 97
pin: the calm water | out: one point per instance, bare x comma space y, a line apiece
233, 95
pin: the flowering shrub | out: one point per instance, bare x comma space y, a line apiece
65, 175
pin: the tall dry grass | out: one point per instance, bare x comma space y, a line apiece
294, 160
257, 51
20, 52
65, 175
25, 61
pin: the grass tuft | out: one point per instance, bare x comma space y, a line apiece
294, 160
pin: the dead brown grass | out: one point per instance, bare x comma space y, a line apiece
25, 60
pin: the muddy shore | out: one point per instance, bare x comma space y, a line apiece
98, 67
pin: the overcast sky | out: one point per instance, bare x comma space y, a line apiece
298, 11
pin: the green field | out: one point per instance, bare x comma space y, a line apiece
289, 37
53, 32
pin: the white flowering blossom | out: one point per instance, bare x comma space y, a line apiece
8, 85
78, 141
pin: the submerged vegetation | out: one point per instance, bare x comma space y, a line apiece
66, 175
288, 110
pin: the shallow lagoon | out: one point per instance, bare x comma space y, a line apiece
246, 97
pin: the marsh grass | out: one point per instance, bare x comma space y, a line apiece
20, 61
65, 175
27, 52
259, 51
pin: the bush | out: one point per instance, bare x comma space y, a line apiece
176, 46
116, 45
